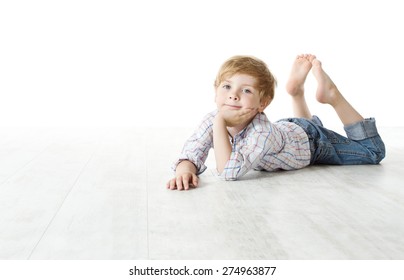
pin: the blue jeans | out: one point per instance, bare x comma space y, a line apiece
363, 144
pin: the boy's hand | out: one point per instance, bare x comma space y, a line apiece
183, 181
237, 117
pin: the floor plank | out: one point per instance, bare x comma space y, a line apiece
31, 196
105, 215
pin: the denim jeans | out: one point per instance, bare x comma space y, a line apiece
363, 144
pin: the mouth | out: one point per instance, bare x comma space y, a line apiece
233, 107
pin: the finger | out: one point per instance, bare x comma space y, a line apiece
254, 111
244, 112
186, 182
179, 183
195, 180
250, 110
168, 185
172, 184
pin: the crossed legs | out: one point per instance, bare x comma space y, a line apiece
327, 92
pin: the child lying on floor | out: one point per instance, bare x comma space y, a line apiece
243, 138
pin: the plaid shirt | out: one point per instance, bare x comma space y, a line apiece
261, 145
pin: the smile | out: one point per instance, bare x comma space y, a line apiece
233, 106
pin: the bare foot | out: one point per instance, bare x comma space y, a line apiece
298, 74
327, 92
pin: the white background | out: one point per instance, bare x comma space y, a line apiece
152, 63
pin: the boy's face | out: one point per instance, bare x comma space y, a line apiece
239, 92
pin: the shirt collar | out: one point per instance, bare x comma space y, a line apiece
242, 133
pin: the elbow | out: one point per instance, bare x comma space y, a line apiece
227, 176
232, 170
221, 166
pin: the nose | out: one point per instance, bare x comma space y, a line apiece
233, 96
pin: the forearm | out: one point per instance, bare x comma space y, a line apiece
221, 143
185, 166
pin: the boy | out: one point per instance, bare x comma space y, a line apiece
244, 139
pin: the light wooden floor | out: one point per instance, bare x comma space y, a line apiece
100, 194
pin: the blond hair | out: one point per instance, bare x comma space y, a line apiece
252, 66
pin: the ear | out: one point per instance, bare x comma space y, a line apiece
264, 104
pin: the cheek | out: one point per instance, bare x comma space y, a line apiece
253, 102
217, 99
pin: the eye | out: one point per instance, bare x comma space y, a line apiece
226, 86
246, 90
